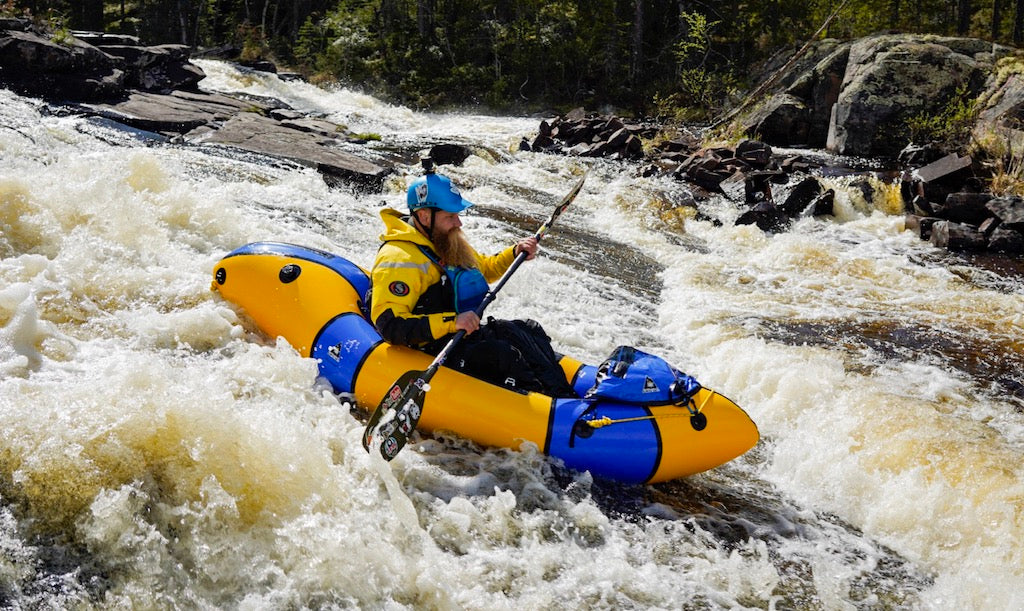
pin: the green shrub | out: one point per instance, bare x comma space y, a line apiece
951, 127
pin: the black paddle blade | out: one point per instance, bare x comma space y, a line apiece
396, 416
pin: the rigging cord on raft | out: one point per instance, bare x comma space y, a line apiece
697, 419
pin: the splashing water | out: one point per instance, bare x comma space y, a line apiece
159, 451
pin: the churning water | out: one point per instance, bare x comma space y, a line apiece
157, 451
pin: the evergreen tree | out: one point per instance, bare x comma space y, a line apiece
645, 55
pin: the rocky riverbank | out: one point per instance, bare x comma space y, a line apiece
944, 198
155, 89
855, 98
851, 97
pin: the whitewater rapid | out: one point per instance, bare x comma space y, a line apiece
158, 451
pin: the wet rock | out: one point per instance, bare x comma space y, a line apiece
824, 204
802, 196
260, 65
155, 90
36, 66
989, 225
578, 133
795, 164
177, 113
735, 187
709, 179
865, 187
957, 236
971, 222
1006, 241
1009, 210
766, 216
943, 168
543, 143
208, 119
968, 208
450, 154
258, 134
922, 206
683, 144
756, 153
757, 184
944, 176
922, 225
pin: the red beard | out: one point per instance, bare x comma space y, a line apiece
453, 249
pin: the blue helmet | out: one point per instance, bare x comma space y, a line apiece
435, 191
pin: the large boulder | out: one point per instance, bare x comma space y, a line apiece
1000, 121
957, 236
823, 85
891, 78
1009, 210
177, 113
158, 69
856, 97
784, 120
89, 66
61, 69
800, 114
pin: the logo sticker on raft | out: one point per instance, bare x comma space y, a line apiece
398, 288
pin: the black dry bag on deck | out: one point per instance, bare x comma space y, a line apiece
632, 376
533, 364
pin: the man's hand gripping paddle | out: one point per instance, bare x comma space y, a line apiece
400, 409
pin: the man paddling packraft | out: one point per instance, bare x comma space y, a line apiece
428, 280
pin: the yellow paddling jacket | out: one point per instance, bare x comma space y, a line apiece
412, 302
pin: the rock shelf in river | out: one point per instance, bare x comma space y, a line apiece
155, 88
943, 198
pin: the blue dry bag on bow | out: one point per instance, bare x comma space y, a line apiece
632, 376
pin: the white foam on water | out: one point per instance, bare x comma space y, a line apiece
185, 459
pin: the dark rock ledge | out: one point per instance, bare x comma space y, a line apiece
155, 89
941, 196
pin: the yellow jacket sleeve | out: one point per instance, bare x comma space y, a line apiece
493, 266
